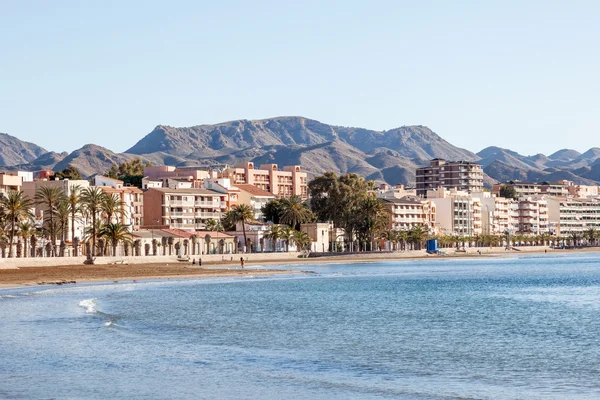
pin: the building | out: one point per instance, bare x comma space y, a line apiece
319, 235
290, 181
385, 191
229, 194
256, 198
526, 189
572, 215
186, 209
461, 175
409, 212
67, 187
533, 216
172, 177
457, 212
9, 182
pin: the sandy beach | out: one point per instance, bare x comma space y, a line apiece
71, 274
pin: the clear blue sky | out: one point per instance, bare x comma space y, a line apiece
516, 74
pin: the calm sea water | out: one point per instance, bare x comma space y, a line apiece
522, 328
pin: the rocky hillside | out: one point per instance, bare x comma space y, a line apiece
385, 156
15, 151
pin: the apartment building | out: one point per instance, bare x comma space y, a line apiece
525, 189
409, 212
568, 215
256, 198
385, 191
66, 186
229, 194
461, 175
533, 216
290, 181
457, 212
176, 177
186, 209
9, 182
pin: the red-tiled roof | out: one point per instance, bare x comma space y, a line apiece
254, 190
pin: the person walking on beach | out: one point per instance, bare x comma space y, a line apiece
199, 262
242, 262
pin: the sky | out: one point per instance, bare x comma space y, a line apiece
516, 74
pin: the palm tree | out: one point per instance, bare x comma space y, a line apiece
591, 235
27, 231
163, 242
194, 240
287, 234
301, 240
74, 207
49, 197
295, 212
417, 235
241, 213
111, 206
170, 241
62, 213
274, 233
91, 201
115, 233
17, 209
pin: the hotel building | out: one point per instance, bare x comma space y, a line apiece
461, 175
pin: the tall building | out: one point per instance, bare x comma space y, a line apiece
460, 175
186, 209
457, 212
410, 211
569, 215
290, 181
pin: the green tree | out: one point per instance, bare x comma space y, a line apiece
301, 240
70, 173
274, 234
17, 208
295, 212
115, 233
50, 197
509, 192
130, 172
74, 207
272, 210
287, 234
91, 203
241, 213
27, 230
111, 207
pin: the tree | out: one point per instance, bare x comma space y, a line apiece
61, 211
295, 212
26, 230
591, 235
509, 192
287, 234
241, 213
74, 207
274, 233
70, 173
115, 233
91, 201
272, 210
17, 208
130, 172
417, 235
301, 240
49, 197
111, 206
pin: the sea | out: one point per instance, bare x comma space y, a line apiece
525, 327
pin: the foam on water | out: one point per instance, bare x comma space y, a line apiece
89, 305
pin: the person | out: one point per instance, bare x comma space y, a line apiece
242, 262
193, 261
199, 262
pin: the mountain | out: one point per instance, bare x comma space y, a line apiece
564, 155
15, 151
390, 156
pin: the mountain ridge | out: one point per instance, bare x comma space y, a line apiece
390, 156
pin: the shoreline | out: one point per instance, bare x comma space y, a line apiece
25, 276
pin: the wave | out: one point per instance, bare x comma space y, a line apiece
89, 305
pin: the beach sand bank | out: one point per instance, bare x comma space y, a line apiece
26, 275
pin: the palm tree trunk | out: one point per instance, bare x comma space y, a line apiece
245, 239
11, 236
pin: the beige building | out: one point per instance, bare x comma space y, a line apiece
290, 181
568, 215
526, 189
66, 186
457, 212
461, 175
319, 235
256, 198
9, 182
394, 192
410, 211
186, 209
174, 177
533, 216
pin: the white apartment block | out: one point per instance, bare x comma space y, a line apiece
568, 215
533, 216
186, 209
410, 211
457, 212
